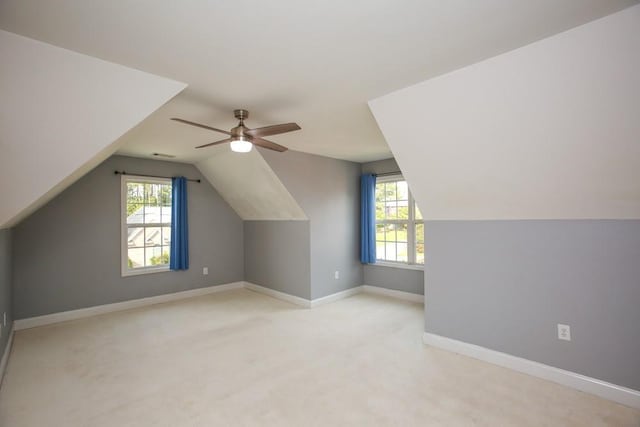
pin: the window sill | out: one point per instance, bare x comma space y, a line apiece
418, 267
149, 270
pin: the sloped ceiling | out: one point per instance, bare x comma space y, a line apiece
547, 131
61, 114
314, 63
249, 185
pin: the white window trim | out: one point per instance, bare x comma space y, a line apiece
401, 265
124, 254
411, 233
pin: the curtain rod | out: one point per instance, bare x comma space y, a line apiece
151, 176
388, 173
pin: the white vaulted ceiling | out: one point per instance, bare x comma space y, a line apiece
547, 131
315, 63
61, 113
249, 185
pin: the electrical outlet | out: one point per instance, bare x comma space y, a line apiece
337, 275
564, 332
205, 270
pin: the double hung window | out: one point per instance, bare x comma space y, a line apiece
146, 224
399, 224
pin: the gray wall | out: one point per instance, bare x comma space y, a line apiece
67, 254
5, 286
505, 285
328, 190
399, 279
277, 256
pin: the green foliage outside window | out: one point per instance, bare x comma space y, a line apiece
162, 259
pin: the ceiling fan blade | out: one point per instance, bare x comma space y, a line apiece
268, 144
222, 141
187, 122
272, 130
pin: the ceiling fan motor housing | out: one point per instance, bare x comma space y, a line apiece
238, 131
241, 114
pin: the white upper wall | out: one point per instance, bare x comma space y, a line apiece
249, 185
60, 115
550, 130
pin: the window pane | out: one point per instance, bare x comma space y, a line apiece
135, 198
153, 236
403, 209
390, 191
165, 195
152, 214
157, 256
152, 194
403, 190
379, 202
391, 210
419, 233
402, 252
390, 251
151, 255
135, 191
135, 213
420, 243
165, 214
390, 233
380, 254
401, 232
147, 192
166, 236
379, 231
135, 237
136, 257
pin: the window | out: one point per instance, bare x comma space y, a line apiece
146, 224
399, 224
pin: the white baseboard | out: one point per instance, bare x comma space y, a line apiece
302, 302
64, 316
277, 294
335, 297
48, 319
407, 296
5, 356
616, 393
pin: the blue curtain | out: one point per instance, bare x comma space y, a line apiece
368, 219
179, 259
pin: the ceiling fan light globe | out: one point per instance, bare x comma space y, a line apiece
241, 146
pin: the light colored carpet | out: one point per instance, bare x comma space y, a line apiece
240, 358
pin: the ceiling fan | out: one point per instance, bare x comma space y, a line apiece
242, 138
